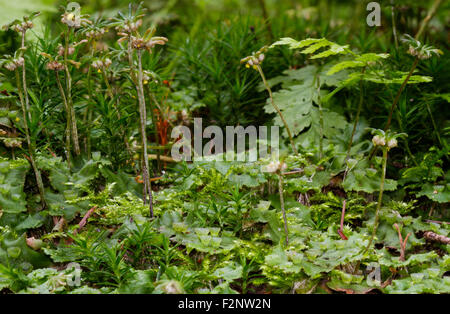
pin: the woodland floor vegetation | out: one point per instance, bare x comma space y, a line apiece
91, 200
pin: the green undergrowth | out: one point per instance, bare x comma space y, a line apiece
210, 240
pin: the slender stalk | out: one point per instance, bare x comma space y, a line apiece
74, 129
66, 106
142, 114
152, 114
88, 115
24, 81
380, 197
143, 120
280, 190
130, 60
25, 115
143, 117
428, 18
277, 109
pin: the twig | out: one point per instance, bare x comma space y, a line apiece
431, 236
85, 218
